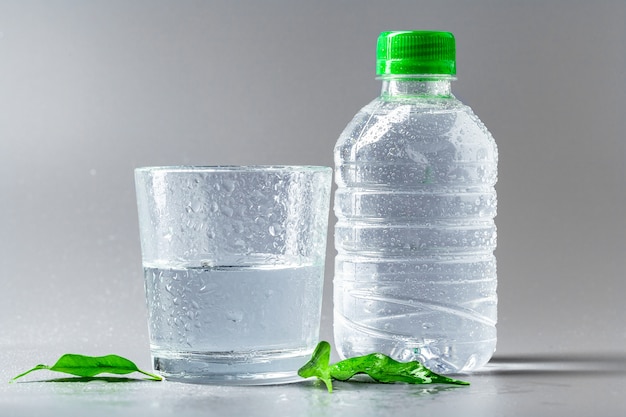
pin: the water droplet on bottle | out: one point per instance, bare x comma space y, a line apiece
275, 229
229, 186
227, 211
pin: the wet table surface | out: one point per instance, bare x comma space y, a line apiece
515, 385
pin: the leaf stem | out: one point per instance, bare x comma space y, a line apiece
153, 377
36, 368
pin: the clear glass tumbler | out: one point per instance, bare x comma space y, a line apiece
233, 260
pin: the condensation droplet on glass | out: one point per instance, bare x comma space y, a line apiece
234, 315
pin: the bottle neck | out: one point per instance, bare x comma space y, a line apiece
417, 85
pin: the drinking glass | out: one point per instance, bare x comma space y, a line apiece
233, 260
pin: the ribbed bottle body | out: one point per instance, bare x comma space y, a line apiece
415, 273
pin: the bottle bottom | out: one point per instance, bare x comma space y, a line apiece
442, 355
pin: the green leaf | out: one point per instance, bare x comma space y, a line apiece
384, 369
89, 366
318, 366
379, 367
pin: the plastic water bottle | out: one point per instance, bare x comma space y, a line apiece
415, 273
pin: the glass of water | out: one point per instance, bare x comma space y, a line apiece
233, 259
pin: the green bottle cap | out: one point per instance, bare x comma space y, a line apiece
416, 52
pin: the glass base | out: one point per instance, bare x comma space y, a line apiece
231, 368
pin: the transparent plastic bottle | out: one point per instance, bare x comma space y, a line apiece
415, 273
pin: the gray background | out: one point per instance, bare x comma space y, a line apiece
89, 90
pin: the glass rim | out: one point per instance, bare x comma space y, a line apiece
232, 168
